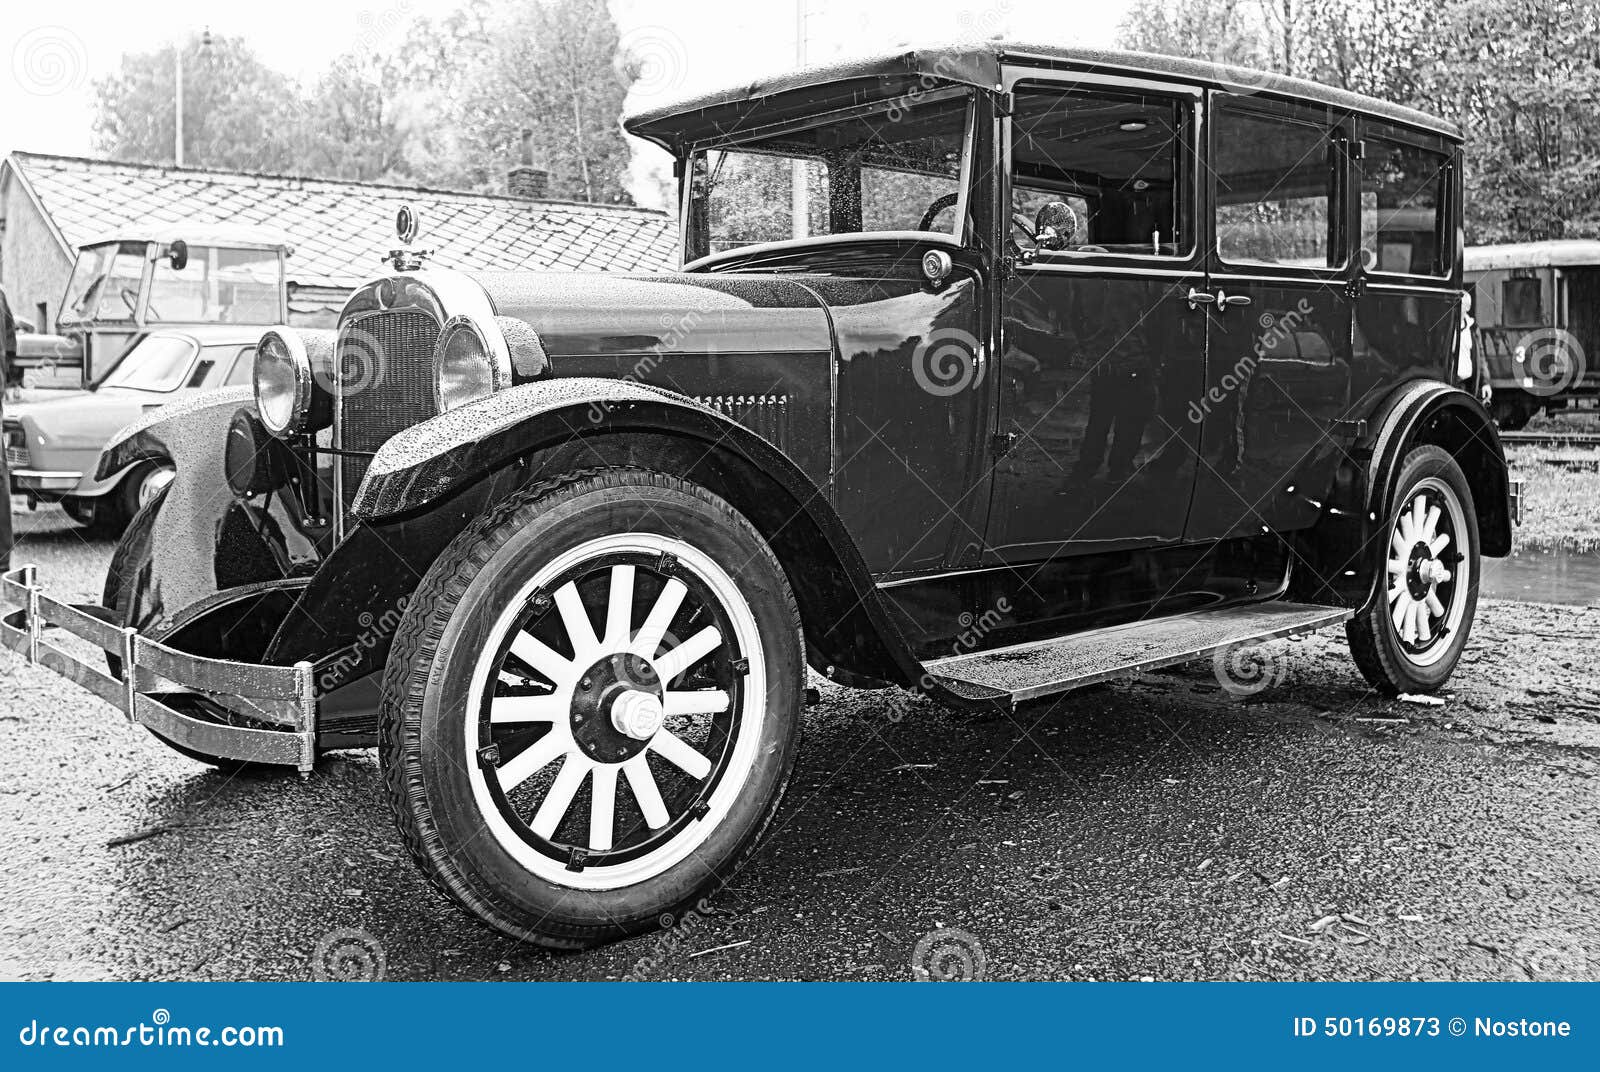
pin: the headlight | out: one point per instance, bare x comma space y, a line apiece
283, 382
465, 368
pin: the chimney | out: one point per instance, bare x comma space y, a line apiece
525, 180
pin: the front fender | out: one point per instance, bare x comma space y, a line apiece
203, 541
428, 461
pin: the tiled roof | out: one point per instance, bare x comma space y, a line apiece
340, 230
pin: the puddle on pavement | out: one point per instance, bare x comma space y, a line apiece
1544, 577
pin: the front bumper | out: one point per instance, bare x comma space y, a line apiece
1514, 498
192, 701
26, 480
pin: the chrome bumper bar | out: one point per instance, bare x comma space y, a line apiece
1514, 499
158, 682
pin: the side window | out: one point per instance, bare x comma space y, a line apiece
240, 373
1275, 190
1403, 198
1118, 161
1521, 303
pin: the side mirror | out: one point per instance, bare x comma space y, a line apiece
178, 255
1055, 226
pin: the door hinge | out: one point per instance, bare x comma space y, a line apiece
1002, 442
1348, 429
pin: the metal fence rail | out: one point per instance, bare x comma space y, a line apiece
156, 680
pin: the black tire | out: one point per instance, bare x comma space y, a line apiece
130, 550
456, 812
109, 515
1387, 658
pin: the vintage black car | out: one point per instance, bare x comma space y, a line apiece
991, 372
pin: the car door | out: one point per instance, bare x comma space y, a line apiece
1102, 356
1278, 376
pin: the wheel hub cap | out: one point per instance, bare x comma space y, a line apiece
637, 715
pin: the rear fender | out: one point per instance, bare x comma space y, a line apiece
1340, 552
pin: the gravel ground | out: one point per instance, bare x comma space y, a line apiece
1158, 828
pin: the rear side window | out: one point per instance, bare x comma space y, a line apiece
242, 368
1275, 190
1403, 197
1521, 303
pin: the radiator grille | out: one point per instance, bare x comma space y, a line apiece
386, 383
768, 416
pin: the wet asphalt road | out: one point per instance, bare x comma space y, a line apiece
1159, 828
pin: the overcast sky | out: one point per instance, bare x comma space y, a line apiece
53, 51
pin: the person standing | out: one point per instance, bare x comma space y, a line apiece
8, 359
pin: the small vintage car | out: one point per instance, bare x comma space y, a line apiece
53, 439
991, 372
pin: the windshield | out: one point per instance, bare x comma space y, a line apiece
156, 363
894, 167
105, 283
218, 286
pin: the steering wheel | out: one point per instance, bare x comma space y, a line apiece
936, 206
133, 302
1093, 249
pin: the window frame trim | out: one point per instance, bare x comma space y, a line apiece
1067, 81
1370, 129
1339, 130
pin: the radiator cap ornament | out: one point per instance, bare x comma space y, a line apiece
407, 225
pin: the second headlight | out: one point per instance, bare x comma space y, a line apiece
466, 368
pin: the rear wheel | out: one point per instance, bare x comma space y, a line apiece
1413, 637
591, 706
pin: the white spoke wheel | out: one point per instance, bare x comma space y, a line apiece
590, 706
1413, 636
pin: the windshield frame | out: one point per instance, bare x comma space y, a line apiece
960, 234
206, 256
105, 254
193, 345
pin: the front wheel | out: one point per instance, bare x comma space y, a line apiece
590, 709
1413, 637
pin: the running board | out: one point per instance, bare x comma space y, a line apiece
1046, 667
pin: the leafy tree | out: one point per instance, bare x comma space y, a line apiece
554, 68
237, 112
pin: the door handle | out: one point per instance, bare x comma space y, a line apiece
1198, 298
1225, 299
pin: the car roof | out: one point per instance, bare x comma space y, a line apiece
1557, 253
714, 114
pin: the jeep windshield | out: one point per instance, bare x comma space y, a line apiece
895, 167
105, 283
218, 285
